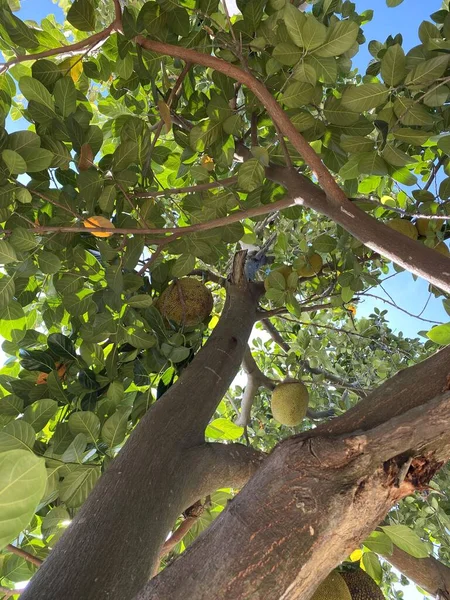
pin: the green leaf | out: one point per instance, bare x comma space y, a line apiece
87, 423
7, 289
364, 97
393, 65
140, 300
340, 37
372, 566
411, 136
7, 253
392, 3
62, 346
15, 163
22, 482
370, 163
33, 89
444, 189
183, 265
65, 96
115, 428
286, 54
440, 334
298, 94
40, 412
379, 542
82, 15
223, 429
405, 539
78, 484
250, 175
48, 262
36, 159
324, 243
17, 435
427, 71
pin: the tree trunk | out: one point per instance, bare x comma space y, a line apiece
110, 549
318, 495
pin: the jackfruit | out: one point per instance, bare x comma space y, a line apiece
361, 585
186, 301
332, 588
308, 266
405, 227
289, 403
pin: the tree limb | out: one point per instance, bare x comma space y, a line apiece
428, 573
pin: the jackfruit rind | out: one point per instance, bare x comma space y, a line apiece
332, 588
289, 403
187, 301
362, 586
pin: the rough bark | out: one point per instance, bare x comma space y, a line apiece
305, 509
430, 574
318, 495
116, 538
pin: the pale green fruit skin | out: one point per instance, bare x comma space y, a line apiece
289, 403
405, 227
332, 588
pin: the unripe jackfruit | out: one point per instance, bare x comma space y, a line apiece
332, 588
361, 585
289, 403
186, 301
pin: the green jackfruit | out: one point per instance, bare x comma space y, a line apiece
289, 403
332, 588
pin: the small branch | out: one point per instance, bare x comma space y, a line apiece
335, 379
255, 380
276, 312
69, 50
176, 537
24, 554
254, 129
209, 276
187, 190
8, 592
434, 172
284, 148
364, 295
400, 211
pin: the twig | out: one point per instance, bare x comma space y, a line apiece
24, 554
434, 172
265, 314
400, 211
8, 592
284, 148
209, 276
187, 190
364, 295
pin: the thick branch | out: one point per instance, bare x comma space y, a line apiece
157, 485
310, 503
428, 573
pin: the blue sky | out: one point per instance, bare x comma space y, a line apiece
404, 19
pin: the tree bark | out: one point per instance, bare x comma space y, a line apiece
428, 573
165, 466
318, 495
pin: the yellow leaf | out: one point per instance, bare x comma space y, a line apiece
93, 222
86, 158
164, 111
72, 66
356, 555
351, 308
